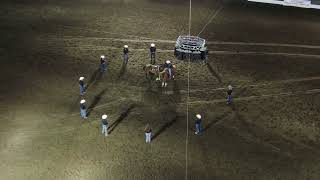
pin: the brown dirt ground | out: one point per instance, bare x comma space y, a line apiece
270, 132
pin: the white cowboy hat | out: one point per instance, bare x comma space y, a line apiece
153, 45
125, 46
82, 101
198, 116
104, 116
230, 87
168, 62
102, 56
81, 78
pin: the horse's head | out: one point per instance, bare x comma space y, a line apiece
160, 67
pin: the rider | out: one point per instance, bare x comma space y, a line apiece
170, 68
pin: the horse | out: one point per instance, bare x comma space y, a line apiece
151, 70
165, 76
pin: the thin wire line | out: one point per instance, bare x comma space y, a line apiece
187, 133
215, 14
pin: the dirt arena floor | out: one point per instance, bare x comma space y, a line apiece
270, 54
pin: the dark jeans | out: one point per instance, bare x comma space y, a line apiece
229, 99
103, 68
153, 58
125, 58
198, 127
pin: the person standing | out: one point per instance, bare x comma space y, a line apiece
104, 122
103, 63
82, 86
148, 132
83, 110
229, 95
169, 66
153, 53
125, 54
198, 124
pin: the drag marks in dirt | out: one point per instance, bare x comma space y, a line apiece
102, 32
260, 53
210, 20
280, 82
181, 92
214, 72
277, 142
255, 136
150, 40
263, 44
167, 41
265, 53
248, 98
210, 52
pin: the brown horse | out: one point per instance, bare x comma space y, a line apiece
165, 76
151, 70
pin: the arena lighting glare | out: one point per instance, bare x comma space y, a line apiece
314, 4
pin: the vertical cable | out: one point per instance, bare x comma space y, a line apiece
187, 133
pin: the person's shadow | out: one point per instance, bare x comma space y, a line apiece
95, 101
169, 112
216, 120
164, 127
122, 116
122, 70
94, 78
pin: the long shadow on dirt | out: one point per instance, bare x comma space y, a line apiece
273, 140
214, 73
176, 92
96, 100
121, 118
94, 78
216, 120
169, 110
75, 104
122, 70
164, 127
